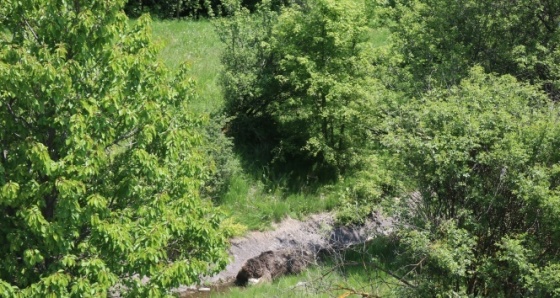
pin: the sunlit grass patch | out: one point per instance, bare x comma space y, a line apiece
257, 205
196, 43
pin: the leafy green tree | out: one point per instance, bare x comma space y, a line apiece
484, 159
327, 94
100, 163
439, 40
307, 75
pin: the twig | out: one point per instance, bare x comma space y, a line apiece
16, 117
354, 292
122, 137
31, 29
415, 266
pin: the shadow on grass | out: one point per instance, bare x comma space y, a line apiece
265, 190
257, 145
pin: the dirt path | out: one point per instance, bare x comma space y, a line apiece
314, 234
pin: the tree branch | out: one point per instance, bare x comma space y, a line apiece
31, 29
123, 137
17, 118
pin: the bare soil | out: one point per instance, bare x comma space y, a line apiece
314, 234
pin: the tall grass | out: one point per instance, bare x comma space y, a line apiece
256, 204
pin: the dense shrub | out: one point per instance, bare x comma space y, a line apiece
438, 41
483, 156
180, 8
194, 8
302, 81
222, 162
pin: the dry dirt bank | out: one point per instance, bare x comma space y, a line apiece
313, 234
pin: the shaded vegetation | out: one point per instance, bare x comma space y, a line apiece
299, 89
175, 9
440, 41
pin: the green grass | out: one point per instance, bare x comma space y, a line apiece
196, 43
320, 281
256, 205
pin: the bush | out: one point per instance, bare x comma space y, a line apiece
440, 40
302, 82
222, 161
247, 76
483, 156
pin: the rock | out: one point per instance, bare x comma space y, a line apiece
204, 289
185, 289
301, 284
254, 281
272, 264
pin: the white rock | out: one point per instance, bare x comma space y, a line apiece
253, 281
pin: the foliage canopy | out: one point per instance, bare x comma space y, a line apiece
439, 40
100, 165
306, 75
